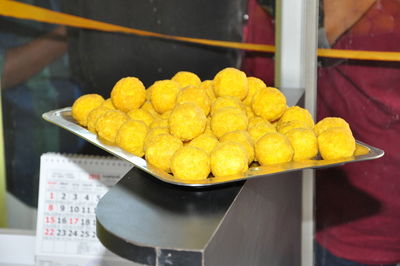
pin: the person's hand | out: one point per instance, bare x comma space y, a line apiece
341, 15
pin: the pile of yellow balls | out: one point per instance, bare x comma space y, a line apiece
198, 129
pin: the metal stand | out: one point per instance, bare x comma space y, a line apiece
257, 222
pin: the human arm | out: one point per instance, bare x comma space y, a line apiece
22, 62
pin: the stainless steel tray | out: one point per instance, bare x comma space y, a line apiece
63, 118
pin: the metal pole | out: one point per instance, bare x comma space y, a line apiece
296, 69
310, 99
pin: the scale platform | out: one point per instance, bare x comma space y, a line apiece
152, 222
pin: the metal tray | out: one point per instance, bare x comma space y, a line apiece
63, 118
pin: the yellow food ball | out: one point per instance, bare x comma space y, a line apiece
297, 113
131, 135
190, 163
249, 112
242, 137
229, 158
255, 84
231, 82
228, 119
186, 78
289, 125
141, 115
160, 151
83, 105
257, 130
255, 120
205, 141
187, 121
159, 122
208, 86
147, 106
269, 103
208, 126
108, 124
273, 148
330, 122
108, 103
148, 93
166, 114
304, 143
153, 133
94, 115
227, 101
128, 93
336, 143
195, 95
163, 95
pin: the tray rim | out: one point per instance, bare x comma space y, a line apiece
56, 117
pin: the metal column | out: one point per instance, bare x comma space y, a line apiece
296, 69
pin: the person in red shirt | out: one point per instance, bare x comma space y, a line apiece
358, 204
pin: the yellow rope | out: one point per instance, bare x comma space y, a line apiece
25, 11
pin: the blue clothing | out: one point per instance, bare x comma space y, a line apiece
324, 258
26, 134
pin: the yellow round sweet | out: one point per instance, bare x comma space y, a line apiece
141, 115
159, 122
289, 125
208, 129
330, 122
255, 120
304, 143
208, 86
242, 137
249, 112
163, 95
160, 151
195, 95
187, 121
108, 124
269, 103
83, 105
108, 103
94, 115
336, 143
148, 93
229, 158
255, 84
231, 82
166, 114
147, 106
205, 141
131, 135
273, 148
227, 101
259, 129
228, 119
152, 134
190, 163
128, 93
297, 113
186, 78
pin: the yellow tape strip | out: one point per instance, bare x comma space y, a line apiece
25, 11
359, 55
